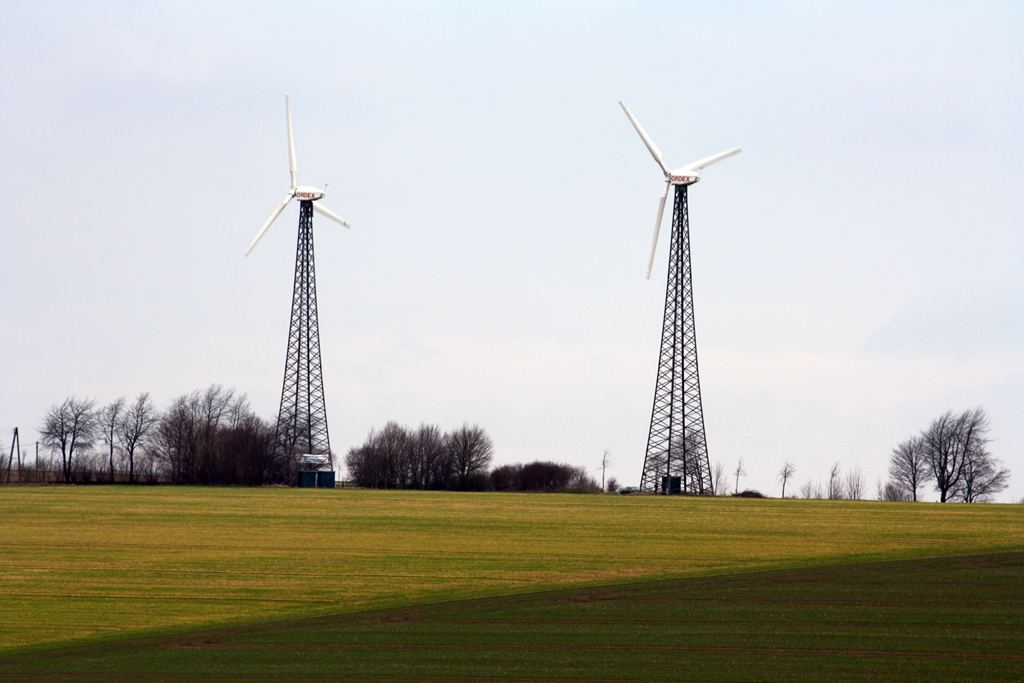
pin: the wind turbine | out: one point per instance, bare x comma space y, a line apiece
677, 456
302, 418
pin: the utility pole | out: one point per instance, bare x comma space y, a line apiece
605, 462
10, 458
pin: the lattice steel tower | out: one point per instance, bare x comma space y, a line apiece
677, 454
302, 419
676, 445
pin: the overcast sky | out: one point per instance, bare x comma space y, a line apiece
857, 269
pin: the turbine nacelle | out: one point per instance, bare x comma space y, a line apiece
307, 193
687, 175
683, 177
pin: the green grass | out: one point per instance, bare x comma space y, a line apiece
945, 619
87, 564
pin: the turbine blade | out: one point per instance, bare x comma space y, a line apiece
657, 228
266, 226
655, 152
292, 167
714, 159
330, 214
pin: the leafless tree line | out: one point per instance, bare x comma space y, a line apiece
213, 437
838, 486
205, 437
952, 455
396, 457
73, 430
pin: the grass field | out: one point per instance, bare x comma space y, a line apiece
947, 619
86, 564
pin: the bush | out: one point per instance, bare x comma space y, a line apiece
543, 477
477, 482
894, 492
749, 493
506, 477
85, 467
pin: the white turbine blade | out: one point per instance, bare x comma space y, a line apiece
714, 159
657, 229
292, 168
655, 152
330, 214
266, 226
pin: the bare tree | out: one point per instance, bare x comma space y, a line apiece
613, 485
720, 480
188, 435
245, 450
429, 464
148, 464
471, 451
363, 463
811, 490
787, 471
982, 477
217, 408
175, 442
740, 472
694, 457
108, 419
908, 467
893, 492
579, 480
605, 462
854, 484
441, 465
135, 428
385, 460
835, 483
948, 444
69, 428
393, 448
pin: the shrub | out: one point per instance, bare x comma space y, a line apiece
543, 477
894, 492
